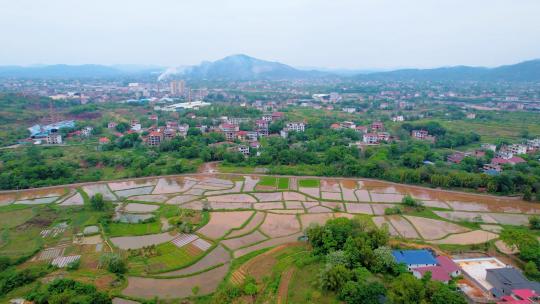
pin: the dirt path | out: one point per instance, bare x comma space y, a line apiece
283, 290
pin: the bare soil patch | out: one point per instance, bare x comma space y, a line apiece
123, 185
403, 227
233, 198
151, 198
221, 222
148, 288
140, 208
310, 191
92, 190
269, 197
319, 218
294, 205
331, 195
217, 256
255, 221
431, 229
363, 195
267, 206
245, 240
468, 238
136, 242
269, 243
276, 225
386, 197
293, 196
180, 199
358, 208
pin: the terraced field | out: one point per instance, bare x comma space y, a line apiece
225, 217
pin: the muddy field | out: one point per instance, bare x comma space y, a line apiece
221, 222
148, 288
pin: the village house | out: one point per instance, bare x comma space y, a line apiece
111, 125
371, 138
135, 125
183, 130
104, 140
377, 126
347, 125
154, 139
362, 129
277, 116
229, 130
295, 126
398, 118
422, 135
54, 138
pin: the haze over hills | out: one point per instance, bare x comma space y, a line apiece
243, 67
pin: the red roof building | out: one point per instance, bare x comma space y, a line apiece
437, 273
512, 160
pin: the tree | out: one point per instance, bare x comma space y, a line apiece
122, 127
384, 260
534, 222
97, 202
531, 270
361, 292
527, 193
406, 289
334, 277
410, 201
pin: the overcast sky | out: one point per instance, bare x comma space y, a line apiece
353, 34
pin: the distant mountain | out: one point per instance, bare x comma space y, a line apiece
524, 71
243, 67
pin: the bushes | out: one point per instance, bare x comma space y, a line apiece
67, 291
12, 278
114, 263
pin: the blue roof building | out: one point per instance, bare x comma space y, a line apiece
415, 258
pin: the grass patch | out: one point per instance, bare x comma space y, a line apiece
268, 181
283, 183
124, 229
15, 217
168, 257
309, 183
302, 288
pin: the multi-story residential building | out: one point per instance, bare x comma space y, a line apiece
87, 131
296, 126
377, 126
347, 125
398, 118
54, 138
267, 117
183, 130
169, 133
244, 150
371, 138
229, 130
154, 139
135, 125
177, 88
517, 149
111, 125
422, 135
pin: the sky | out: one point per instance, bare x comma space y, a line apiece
347, 34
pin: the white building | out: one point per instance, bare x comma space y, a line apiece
518, 149
370, 138
54, 139
398, 118
296, 126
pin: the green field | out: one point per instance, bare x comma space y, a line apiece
283, 183
169, 257
302, 288
123, 229
268, 181
309, 183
